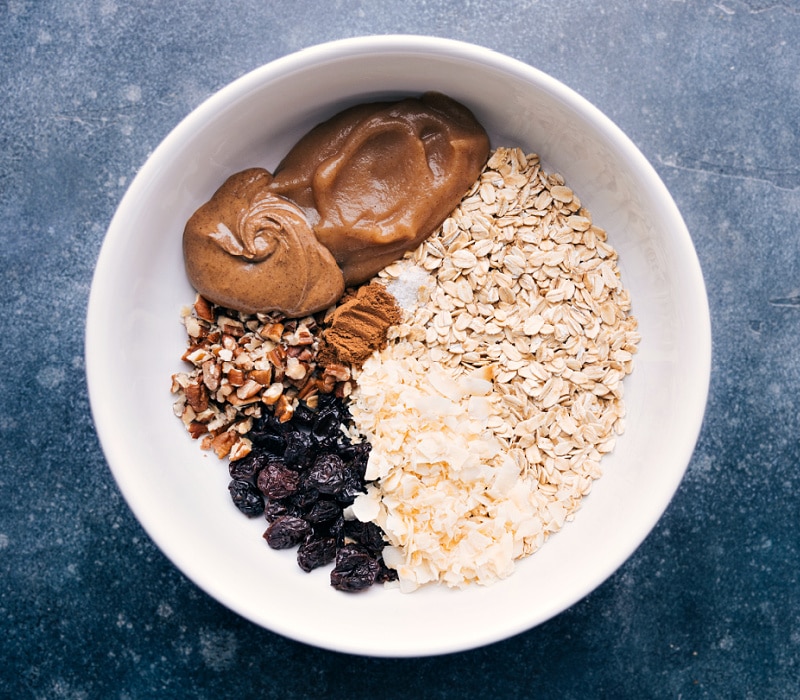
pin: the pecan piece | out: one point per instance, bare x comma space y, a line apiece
197, 396
249, 389
223, 443
230, 326
196, 429
277, 356
241, 448
295, 369
236, 376
211, 375
272, 394
272, 331
283, 409
262, 376
341, 373
203, 309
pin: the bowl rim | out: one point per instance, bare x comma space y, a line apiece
432, 47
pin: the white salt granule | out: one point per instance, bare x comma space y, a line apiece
410, 284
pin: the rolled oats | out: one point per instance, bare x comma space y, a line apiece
526, 291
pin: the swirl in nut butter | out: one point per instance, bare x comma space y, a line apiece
251, 250
353, 195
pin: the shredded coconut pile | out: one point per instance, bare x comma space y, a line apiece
490, 410
451, 499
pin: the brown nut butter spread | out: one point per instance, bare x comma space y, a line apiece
364, 187
250, 250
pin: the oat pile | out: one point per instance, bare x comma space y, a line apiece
500, 391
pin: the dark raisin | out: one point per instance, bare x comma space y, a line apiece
326, 401
303, 415
369, 535
246, 497
275, 509
357, 456
350, 489
298, 451
314, 553
336, 529
305, 497
277, 481
323, 512
326, 428
267, 434
287, 531
385, 574
355, 569
246, 468
307, 472
269, 442
328, 474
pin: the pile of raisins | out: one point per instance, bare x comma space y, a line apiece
301, 475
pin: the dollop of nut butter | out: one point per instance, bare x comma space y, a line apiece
377, 179
353, 195
252, 250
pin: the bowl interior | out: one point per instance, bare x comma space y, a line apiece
135, 339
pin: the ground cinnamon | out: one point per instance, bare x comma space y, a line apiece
358, 326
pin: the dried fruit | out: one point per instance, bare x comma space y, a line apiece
355, 570
246, 497
323, 512
316, 552
328, 474
277, 481
287, 531
297, 452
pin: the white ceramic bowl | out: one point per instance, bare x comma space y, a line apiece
134, 340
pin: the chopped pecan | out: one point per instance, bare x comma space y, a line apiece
249, 389
179, 381
196, 429
223, 443
197, 396
283, 409
341, 373
197, 353
204, 309
241, 448
243, 366
327, 383
308, 388
277, 356
302, 336
211, 375
295, 369
193, 326
272, 331
306, 356
230, 326
242, 359
224, 391
262, 376
229, 342
273, 393
237, 402
236, 376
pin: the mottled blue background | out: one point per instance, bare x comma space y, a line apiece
708, 607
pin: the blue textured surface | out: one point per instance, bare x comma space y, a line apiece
708, 607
